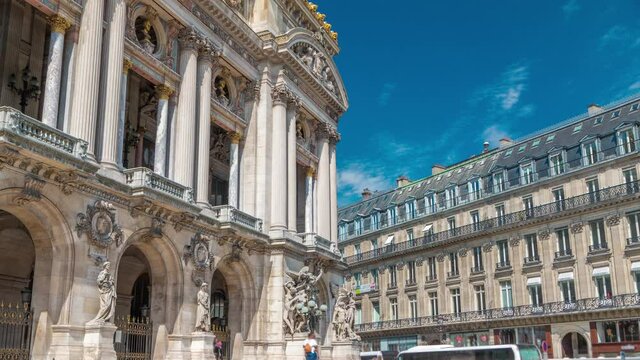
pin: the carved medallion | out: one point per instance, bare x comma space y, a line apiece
198, 252
99, 223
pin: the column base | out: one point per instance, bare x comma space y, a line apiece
98, 342
345, 350
202, 346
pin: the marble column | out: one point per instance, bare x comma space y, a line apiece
308, 201
333, 188
280, 95
59, 26
234, 168
185, 130
205, 61
163, 93
292, 150
86, 86
116, 17
66, 88
122, 111
324, 184
314, 195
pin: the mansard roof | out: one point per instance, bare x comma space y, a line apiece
566, 135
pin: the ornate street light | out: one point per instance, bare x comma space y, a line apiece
29, 90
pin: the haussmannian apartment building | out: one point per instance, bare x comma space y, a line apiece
536, 241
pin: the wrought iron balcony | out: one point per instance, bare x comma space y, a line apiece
503, 265
563, 255
142, 180
598, 247
227, 213
548, 309
530, 260
513, 219
453, 274
477, 269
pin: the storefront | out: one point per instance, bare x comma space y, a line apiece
531, 335
399, 343
470, 338
612, 337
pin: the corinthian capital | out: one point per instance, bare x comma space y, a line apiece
326, 131
280, 94
189, 38
209, 51
59, 24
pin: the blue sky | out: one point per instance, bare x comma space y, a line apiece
429, 81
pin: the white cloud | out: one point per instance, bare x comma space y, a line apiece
385, 94
504, 93
355, 177
493, 134
635, 86
619, 38
571, 7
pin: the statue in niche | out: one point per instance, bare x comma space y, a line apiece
107, 288
203, 317
299, 131
222, 91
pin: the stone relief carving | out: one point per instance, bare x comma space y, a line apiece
31, 191
344, 317
301, 307
487, 247
613, 220
316, 62
234, 4
99, 223
463, 252
514, 241
203, 317
220, 145
198, 252
107, 289
576, 228
544, 234
440, 257
221, 91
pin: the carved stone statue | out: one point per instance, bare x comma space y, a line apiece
344, 317
299, 130
203, 317
300, 301
107, 289
222, 91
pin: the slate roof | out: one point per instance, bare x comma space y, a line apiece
566, 136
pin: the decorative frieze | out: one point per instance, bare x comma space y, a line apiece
99, 224
514, 241
441, 257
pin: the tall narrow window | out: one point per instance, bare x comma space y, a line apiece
478, 265
527, 203
589, 153
411, 273
394, 308
535, 294
358, 318
603, 286
451, 196
503, 254
393, 279
342, 231
556, 164
391, 214
453, 264
433, 303
375, 221
374, 278
564, 246
500, 214
506, 294
598, 240
532, 248
456, 304
526, 174
374, 245
568, 290
357, 277
626, 141
451, 223
593, 188
413, 306
475, 220
558, 197
410, 208
432, 268
357, 250
630, 179
358, 226
475, 188
481, 304
430, 203
499, 184
410, 238
633, 220
375, 311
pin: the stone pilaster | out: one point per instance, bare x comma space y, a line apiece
183, 166
333, 189
122, 110
205, 61
308, 201
280, 96
117, 17
84, 113
314, 217
324, 182
163, 93
292, 116
234, 169
59, 26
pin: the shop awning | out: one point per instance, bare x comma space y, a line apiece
534, 281
389, 240
566, 276
427, 228
599, 271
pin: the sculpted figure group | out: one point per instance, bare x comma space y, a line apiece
344, 316
299, 300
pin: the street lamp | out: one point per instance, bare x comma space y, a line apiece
29, 90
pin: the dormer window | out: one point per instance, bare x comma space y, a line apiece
634, 107
535, 143
391, 215
590, 152
475, 189
626, 141
410, 207
526, 173
598, 120
358, 226
556, 164
451, 196
615, 114
375, 221
430, 203
342, 231
499, 185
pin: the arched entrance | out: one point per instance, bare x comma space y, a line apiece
220, 314
574, 345
17, 264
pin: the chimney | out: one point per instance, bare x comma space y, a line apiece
402, 181
366, 194
485, 147
504, 142
437, 169
594, 109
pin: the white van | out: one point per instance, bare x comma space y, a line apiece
378, 355
491, 352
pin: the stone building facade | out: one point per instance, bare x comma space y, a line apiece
536, 241
183, 142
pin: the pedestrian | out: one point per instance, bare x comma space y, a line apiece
310, 346
219, 349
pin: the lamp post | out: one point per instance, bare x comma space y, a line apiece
29, 90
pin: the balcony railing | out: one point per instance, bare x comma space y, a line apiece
227, 213
453, 274
477, 269
573, 203
562, 255
534, 259
547, 309
635, 240
502, 265
141, 178
598, 247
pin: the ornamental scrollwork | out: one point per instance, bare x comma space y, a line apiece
31, 191
514, 241
99, 223
462, 252
487, 247
198, 252
544, 234
576, 228
613, 220
440, 257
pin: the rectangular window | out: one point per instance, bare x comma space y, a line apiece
481, 304
526, 174
410, 238
356, 249
568, 291
636, 276
527, 203
500, 212
590, 153
475, 188
564, 246
411, 273
374, 278
634, 228
451, 196
430, 203
375, 311
478, 265
393, 279
342, 231
598, 240
629, 330
626, 141
506, 294
603, 286
607, 331
456, 305
433, 303
358, 319
531, 241
503, 254
374, 245
475, 220
375, 221
357, 277
358, 224
391, 215
413, 306
558, 197
451, 223
535, 295
394, 308
499, 184
410, 207
432, 268
453, 264
593, 188
630, 178
556, 164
